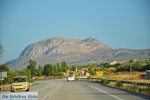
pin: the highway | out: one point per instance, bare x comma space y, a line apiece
80, 90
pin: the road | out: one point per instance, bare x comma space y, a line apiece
79, 90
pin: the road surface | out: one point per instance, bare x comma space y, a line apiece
79, 90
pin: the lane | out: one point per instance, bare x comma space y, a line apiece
93, 91
46, 88
118, 94
105, 92
41, 84
80, 90
48, 96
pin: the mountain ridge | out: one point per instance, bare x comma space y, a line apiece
74, 52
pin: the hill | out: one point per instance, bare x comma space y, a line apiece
74, 52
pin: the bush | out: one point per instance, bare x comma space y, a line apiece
147, 89
92, 72
59, 74
134, 87
119, 84
105, 81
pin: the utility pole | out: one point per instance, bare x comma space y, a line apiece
130, 72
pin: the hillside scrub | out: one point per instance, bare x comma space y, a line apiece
136, 66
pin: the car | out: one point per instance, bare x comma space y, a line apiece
70, 78
19, 83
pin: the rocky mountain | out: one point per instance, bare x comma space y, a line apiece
74, 52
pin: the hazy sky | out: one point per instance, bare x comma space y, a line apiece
117, 23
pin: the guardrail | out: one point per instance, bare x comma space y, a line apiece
122, 81
7, 87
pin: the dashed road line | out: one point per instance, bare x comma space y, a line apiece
47, 97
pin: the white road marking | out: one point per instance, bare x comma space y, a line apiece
49, 95
40, 87
105, 92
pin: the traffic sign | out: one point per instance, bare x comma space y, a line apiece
1, 78
3, 74
100, 73
81, 74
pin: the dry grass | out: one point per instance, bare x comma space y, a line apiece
125, 76
49, 77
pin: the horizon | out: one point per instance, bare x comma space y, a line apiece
118, 24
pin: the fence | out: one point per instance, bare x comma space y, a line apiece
122, 81
7, 87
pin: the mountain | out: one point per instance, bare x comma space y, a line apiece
74, 52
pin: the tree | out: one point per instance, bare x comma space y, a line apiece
52, 70
64, 66
1, 49
58, 67
73, 68
131, 61
4, 68
32, 67
24, 72
55, 68
46, 70
40, 71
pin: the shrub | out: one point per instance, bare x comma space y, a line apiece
105, 81
147, 89
119, 84
102, 80
134, 87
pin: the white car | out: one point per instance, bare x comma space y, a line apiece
70, 78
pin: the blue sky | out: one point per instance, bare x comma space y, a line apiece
117, 23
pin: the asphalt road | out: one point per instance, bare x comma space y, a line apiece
79, 90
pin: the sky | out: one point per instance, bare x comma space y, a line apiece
117, 23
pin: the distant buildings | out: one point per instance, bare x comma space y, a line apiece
115, 62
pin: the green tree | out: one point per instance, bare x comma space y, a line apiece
47, 70
1, 49
73, 68
24, 72
58, 67
32, 67
55, 68
64, 66
40, 71
4, 68
52, 70
131, 61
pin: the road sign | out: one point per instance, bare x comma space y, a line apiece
100, 73
87, 74
3, 74
76, 74
81, 74
1, 78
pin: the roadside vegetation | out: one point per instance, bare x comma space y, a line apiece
32, 71
121, 71
117, 71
